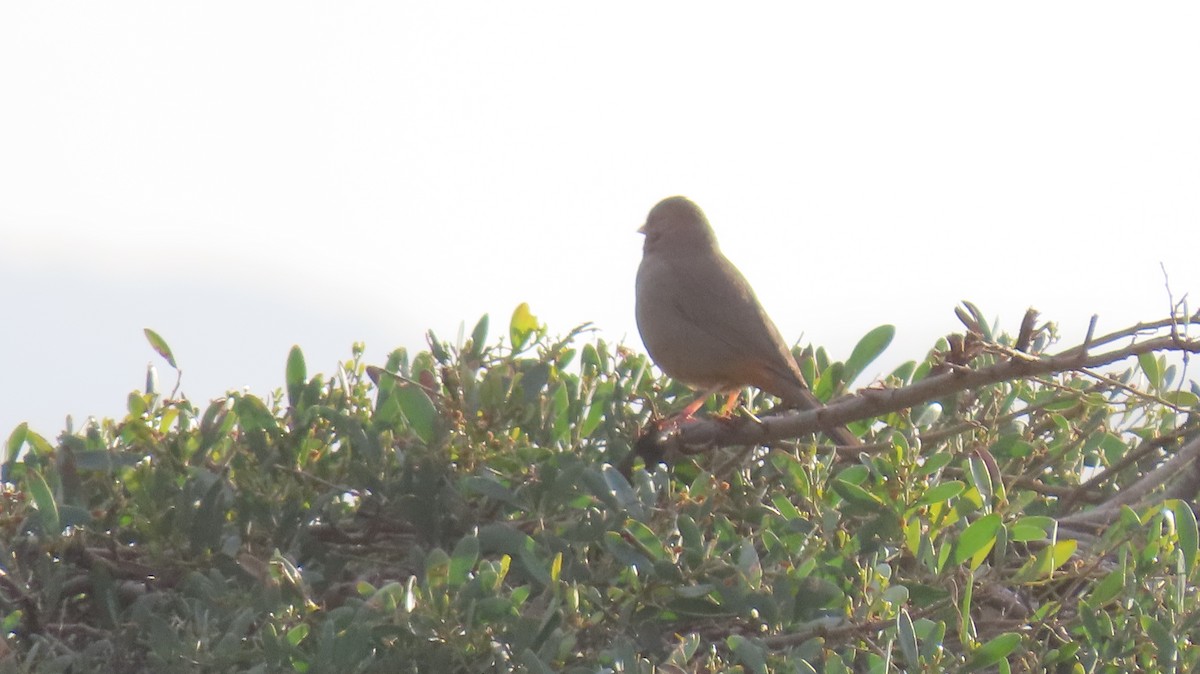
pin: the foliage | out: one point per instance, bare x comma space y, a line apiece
463, 515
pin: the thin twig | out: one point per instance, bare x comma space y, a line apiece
1135, 392
321, 481
1131, 331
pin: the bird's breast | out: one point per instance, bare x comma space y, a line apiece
680, 346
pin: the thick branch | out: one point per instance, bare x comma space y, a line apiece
876, 402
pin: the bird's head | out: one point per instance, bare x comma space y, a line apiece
678, 225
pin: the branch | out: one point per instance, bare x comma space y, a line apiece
1133, 331
701, 434
1182, 470
832, 629
1148, 447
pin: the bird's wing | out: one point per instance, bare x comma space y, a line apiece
716, 299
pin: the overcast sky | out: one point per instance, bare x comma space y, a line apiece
244, 176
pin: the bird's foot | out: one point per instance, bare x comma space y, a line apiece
672, 424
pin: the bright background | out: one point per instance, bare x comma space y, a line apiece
244, 176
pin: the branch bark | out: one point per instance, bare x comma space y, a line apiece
1179, 477
698, 435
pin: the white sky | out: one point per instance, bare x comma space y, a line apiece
244, 176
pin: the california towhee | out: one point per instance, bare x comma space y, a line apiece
701, 321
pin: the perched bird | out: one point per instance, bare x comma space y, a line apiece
701, 321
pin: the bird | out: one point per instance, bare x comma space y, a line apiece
701, 322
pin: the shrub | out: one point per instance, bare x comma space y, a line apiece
458, 510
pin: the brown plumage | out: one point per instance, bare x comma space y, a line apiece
700, 319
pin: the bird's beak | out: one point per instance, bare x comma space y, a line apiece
642, 229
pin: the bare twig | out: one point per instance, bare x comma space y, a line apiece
1131, 331
1135, 392
1025, 335
321, 481
377, 373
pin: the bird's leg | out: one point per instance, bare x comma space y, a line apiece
689, 411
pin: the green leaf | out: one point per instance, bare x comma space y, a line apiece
994, 651
928, 415
590, 360
1163, 640
624, 493
297, 634
15, 440
908, 638
1152, 369
647, 540
942, 492
136, 404
980, 321
1112, 446
692, 539
627, 554
1129, 519
596, 407
504, 538
749, 653
792, 473
561, 420
1049, 559
966, 625
1031, 528
932, 464
1185, 529
905, 372
1181, 398
786, 508
749, 564
436, 348
437, 569
487, 485
694, 601
978, 537
479, 337
255, 415
210, 515
296, 376
530, 662
533, 380
43, 498
932, 634
857, 496
466, 554
522, 325
160, 345
695, 591
104, 460
1107, 589
981, 477
418, 409
867, 350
